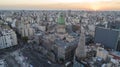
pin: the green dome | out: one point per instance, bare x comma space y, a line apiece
61, 20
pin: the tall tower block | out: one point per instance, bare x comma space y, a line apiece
80, 50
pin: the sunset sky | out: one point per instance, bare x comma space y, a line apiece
61, 4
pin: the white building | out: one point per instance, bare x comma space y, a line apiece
2, 63
7, 38
24, 29
102, 53
20, 59
42, 28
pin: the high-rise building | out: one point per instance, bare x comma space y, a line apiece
7, 38
108, 37
80, 50
65, 44
25, 29
64, 50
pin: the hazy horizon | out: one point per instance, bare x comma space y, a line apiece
60, 4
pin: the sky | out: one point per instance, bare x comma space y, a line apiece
61, 4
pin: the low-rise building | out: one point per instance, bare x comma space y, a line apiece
102, 53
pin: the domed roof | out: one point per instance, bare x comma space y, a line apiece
61, 19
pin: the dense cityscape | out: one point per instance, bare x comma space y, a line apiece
59, 38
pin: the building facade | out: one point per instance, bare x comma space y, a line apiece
7, 38
107, 37
80, 50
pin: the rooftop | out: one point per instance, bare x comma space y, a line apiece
65, 44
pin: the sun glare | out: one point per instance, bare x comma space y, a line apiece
67, 1
95, 7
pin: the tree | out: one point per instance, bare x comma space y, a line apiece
25, 39
61, 60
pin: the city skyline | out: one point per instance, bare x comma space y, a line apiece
61, 4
